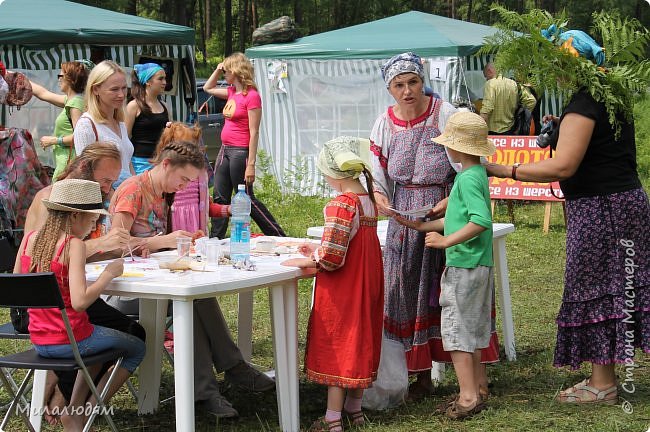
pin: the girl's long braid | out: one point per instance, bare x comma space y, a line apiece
46, 239
369, 187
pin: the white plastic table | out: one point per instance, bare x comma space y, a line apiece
500, 231
160, 286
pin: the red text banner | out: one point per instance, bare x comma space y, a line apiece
522, 149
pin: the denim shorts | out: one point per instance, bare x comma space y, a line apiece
101, 339
466, 302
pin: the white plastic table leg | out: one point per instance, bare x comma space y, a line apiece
284, 320
503, 286
184, 365
437, 372
38, 399
245, 325
153, 314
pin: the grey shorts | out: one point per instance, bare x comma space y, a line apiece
466, 302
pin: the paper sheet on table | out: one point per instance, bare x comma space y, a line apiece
418, 212
138, 268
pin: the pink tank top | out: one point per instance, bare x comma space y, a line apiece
46, 326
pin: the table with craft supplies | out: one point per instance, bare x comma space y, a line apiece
500, 231
154, 287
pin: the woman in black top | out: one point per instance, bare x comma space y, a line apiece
605, 310
146, 116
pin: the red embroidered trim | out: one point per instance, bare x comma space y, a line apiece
419, 119
383, 160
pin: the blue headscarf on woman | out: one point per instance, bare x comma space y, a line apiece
146, 71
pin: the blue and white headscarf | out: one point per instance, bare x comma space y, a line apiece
146, 71
86, 63
402, 63
584, 44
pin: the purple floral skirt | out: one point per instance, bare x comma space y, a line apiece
605, 311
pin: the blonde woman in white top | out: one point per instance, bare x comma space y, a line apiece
104, 121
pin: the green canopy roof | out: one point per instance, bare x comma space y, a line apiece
425, 34
57, 21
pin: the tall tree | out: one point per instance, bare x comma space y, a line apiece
228, 33
207, 19
205, 26
243, 24
132, 7
297, 12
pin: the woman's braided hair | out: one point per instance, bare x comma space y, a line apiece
45, 242
179, 144
181, 153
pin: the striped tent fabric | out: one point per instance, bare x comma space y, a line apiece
42, 64
329, 98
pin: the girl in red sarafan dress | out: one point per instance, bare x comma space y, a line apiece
345, 326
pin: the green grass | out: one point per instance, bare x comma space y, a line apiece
523, 390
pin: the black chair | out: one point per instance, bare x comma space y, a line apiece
7, 330
41, 291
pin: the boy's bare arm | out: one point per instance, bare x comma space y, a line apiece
470, 230
422, 226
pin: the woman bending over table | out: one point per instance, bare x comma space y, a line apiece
141, 205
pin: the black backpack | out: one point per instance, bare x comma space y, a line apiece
19, 316
523, 118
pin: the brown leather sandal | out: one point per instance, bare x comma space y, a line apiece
583, 393
322, 425
459, 412
442, 407
356, 419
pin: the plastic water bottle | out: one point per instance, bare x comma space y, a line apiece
240, 225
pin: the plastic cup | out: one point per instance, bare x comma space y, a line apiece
183, 246
199, 245
213, 253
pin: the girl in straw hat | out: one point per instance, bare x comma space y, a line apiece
466, 285
345, 326
73, 208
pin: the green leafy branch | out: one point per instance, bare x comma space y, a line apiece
521, 49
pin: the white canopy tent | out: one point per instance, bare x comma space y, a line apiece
333, 84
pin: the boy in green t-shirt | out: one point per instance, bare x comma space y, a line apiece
466, 285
